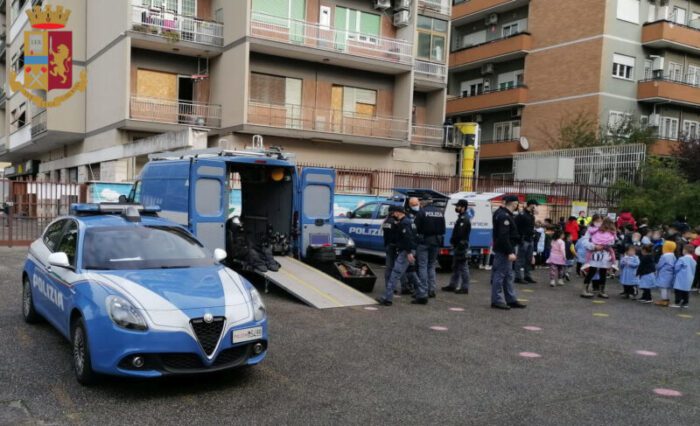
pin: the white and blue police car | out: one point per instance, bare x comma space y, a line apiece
139, 296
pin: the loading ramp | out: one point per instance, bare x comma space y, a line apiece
314, 287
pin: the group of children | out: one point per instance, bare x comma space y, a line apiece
642, 257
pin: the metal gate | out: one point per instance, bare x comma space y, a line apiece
27, 207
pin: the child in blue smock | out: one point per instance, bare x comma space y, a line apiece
581, 251
628, 272
646, 273
664, 272
684, 272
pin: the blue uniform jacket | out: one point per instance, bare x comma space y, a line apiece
684, 272
628, 270
664, 271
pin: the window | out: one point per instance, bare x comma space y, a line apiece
272, 89
279, 12
648, 69
365, 212
69, 242
679, 15
675, 71
510, 29
178, 7
317, 202
628, 10
618, 122
17, 6
509, 80
18, 117
383, 211
472, 88
208, 196
354, 100
432, 34
694, 75
360, 26
669, 128
472, 39
53, 234
506, 131
691, 130
623, 66
353, 182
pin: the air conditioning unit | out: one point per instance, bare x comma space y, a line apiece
478, 118
492, 19
658, 64
487, 85
381, 4
487, 69
654, 120
402, 5
402, 18
516, 112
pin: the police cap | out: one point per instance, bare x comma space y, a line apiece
426, 197
510, 198
393, 209
533, 203
462, 203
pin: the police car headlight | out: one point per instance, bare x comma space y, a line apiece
351, 243
259, 310
124, 314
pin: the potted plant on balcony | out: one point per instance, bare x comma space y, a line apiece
140, 28
171, 35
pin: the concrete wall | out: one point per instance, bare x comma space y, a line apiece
106, 20
108, 87
228, 74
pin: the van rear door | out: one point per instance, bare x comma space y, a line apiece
316, 188
208, 202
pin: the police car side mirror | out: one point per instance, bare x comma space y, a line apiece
220, 255
350, 215
60, 260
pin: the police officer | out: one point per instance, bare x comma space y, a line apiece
459, 282
406, 247
430, 226
525, 223
505, 238
390, 229
413, 208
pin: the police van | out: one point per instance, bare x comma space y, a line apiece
481, 215
364, 224
277, 198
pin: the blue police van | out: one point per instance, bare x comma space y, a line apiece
278, 201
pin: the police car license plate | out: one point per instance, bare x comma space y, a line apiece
247, 334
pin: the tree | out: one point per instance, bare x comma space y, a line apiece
663, 194
582, 131
688, 154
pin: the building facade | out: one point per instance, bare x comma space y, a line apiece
345, 83
522, 67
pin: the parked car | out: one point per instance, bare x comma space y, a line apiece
140, 296
344, 245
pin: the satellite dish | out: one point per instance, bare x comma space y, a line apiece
524, 144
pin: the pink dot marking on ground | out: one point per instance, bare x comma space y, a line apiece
457, 309
532, 328
646, 353
438, 328
667, 392
529, 355
371, 308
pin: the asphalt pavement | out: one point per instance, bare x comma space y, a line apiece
577, 365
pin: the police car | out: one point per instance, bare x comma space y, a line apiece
137, 295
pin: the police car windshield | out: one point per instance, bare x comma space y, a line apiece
142, 247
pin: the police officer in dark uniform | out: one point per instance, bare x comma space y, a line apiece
459, 282
430, 226
505, 239
525, 223
390, 229
406, 247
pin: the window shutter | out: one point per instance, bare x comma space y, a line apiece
369, 24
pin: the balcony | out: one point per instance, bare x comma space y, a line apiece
472, 10
498, 149
428, 135
431, 73
306, 122
442, 7
492, 100
494, 51
160, 30
665, 35
312, 42
676, 91
39, 124
175, 112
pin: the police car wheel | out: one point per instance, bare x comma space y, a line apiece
28, 312
82, 365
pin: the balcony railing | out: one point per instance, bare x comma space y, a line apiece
431, 71
313, 35
39, 123
175, 112
488, 99
443, 7
175, 27
297, 117
428, 135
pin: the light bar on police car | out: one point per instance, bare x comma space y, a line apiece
78, 208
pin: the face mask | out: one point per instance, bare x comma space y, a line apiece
415, 208
597, 224
458, 210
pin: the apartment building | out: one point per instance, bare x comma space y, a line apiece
522, 67
345, 83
